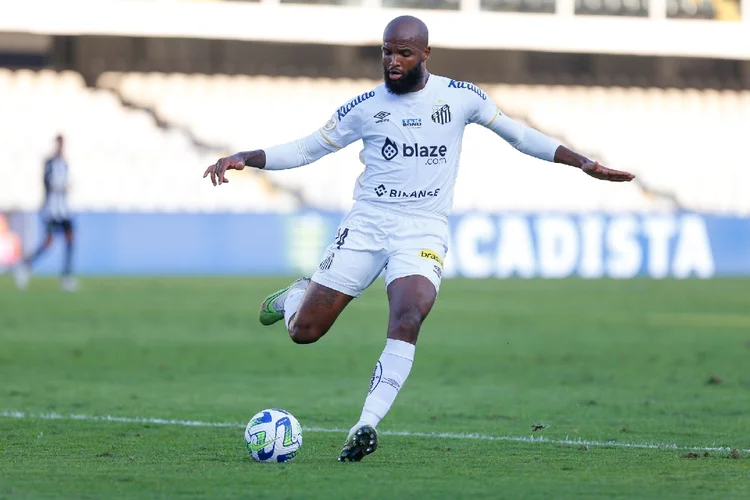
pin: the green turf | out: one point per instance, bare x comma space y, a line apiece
610, 361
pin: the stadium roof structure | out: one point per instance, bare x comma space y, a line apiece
467, 28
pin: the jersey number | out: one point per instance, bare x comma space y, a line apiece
341, 237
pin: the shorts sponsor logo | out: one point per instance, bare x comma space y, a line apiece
411, 122
438, 270
468, 86
382, 117
429, 254
346, 108
341, 237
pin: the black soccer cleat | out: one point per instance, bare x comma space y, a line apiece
359, 444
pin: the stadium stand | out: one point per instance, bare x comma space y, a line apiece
671, 138
131, 142
120, 159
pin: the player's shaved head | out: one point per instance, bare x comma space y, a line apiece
405, 52
408, 29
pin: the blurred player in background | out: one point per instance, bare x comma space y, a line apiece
56, 217
412, 127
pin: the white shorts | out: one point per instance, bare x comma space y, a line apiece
371, 239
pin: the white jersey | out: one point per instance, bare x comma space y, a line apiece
412, 142
56, 185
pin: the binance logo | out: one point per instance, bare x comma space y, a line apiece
429, 254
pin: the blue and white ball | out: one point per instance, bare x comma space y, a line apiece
273, 435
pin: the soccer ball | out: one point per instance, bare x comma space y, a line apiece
273, 435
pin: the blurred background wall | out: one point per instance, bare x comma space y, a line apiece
148, 93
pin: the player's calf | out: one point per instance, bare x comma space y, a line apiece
405, 324
411, 299
316, 313
305, 330
309, 309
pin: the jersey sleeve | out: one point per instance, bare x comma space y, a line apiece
481, 108
345, 125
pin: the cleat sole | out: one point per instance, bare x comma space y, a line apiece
362, 443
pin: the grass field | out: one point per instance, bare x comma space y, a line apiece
614, 363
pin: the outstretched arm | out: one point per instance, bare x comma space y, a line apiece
532, 142
290, 155
343, 128
592, 168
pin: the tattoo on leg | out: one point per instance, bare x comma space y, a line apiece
323, 296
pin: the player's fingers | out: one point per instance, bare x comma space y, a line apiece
213, 175
612, 171
621, 178
621, 174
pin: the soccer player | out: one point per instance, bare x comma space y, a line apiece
56, 214
412, 127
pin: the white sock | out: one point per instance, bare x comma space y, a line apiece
291, 304
389, 376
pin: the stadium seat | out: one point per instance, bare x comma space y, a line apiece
625, 127
668, 137
120, 159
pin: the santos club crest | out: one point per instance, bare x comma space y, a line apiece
442, 113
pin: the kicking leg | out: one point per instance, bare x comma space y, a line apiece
309, 309
310, 306
318, 310
410, 301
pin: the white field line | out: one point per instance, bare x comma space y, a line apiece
442, 435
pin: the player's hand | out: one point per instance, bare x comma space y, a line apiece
219, 169
597, 171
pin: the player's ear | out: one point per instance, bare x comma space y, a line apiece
426, 54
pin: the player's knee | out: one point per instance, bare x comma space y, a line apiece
406, 325
304, 331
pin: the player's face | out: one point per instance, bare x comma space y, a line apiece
403, 66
